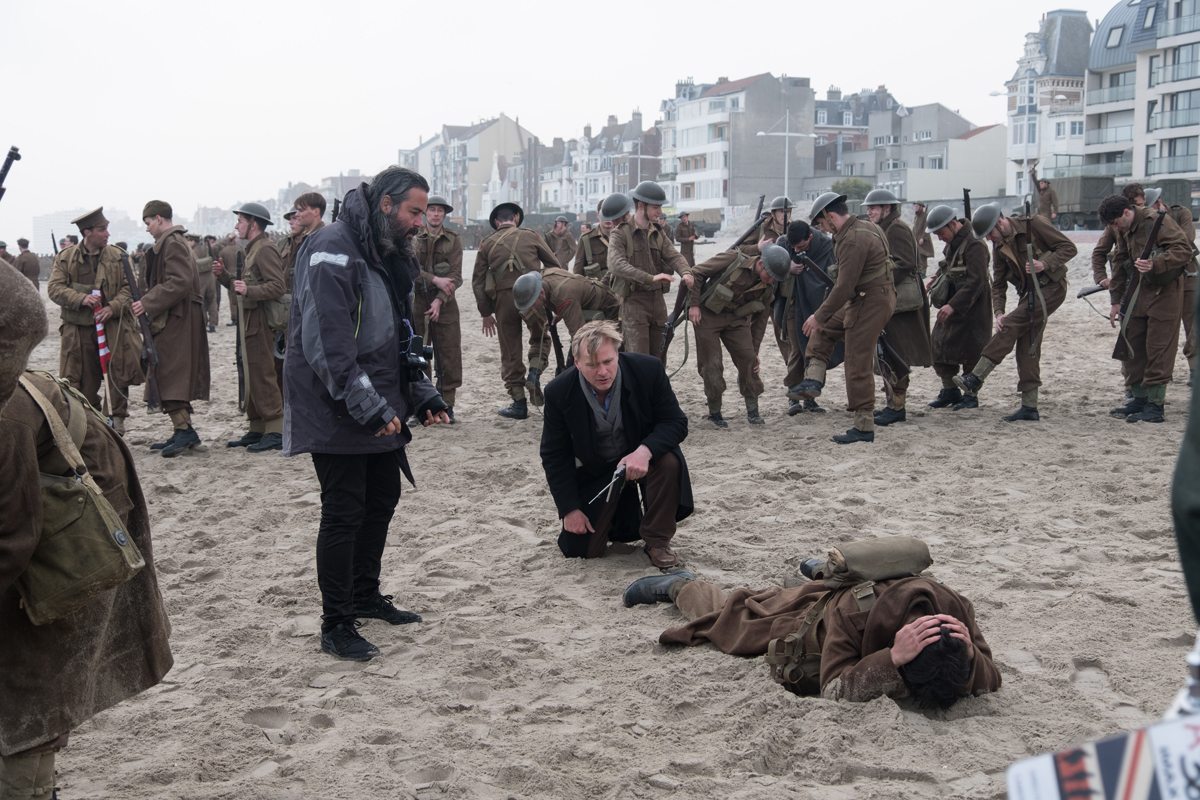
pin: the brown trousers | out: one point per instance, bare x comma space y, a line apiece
1020, 328
733, 332
643, 315
508, 331
82, 369
1153, 334
212, 298
1189, 319
688, 251
264, 406
447, 343
859, 323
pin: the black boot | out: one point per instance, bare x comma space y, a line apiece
889, 415
654, 588
1132, 406
269, 441
518, 409
968, 401
716, 419
753, 417
968, 382
854, 435
182, 440
946, 397
248, 438
167, 443
1152, 412
1023, 414
807, 388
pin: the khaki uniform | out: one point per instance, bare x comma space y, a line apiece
1152, 321
30, 266
591, 256
685, 234
289, 246
1047, 199
440, 253
575, 300
563, 245
503, 257
1183, 218
734, 306
771, 229
263, 274
1023, 326
9, 257
209, 292
959, 340
856, 309
1102, 254
635, 255
72, 278
907, 331
924, 242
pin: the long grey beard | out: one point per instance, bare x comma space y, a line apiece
391, 238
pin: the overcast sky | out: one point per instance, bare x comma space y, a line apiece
210, 103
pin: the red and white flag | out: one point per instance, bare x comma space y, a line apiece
101, 339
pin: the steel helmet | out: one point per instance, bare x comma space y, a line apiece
938, 218
1153, 193
615, 206
777, 261
880, 197
438, 200
650, 193
526, 291
256, 210
516, 208
984, 219
827, 199
780, 203
559, 218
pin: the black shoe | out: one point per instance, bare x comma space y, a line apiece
1132, 406
269, 441
343, 641
811, 568
889, 415
518, 409
716, 419
161, 445
754, 418
805, 389
810, 405
231, 324
1153, 412
182, 440
654, 588
968, 401
946, 397
968, 382
854, 435
380, 607
212, 328
1023, 414
248, 438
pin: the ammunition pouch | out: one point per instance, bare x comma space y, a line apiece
80, 316
908, 294
718, 299
204, 265
277, 311
594, 271
442, 269
939, 291
795, 659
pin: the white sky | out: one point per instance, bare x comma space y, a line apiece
227, 100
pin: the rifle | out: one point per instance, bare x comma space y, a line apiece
1089, 290
149, 351
1035, 297
552, 326
967, 203
53, 241
678, 314
240, 358
1123, 351
13, 155
337, 208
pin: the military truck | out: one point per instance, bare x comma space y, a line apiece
1078, 200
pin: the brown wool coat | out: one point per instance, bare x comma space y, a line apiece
856, 656
961, 338
55, 677
174, 303
1050, 247
563, 245
30, 266
907, 331
531, 252
264, 281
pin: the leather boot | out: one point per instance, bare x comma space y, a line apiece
518, 409
1132, 406
716, 419
946, 397
1152, 412
889, 415
1023, 414
854, 435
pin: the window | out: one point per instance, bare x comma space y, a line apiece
879, 141
1033, 131
687, 191
847, 118
936, 162
716, 105
718, 133
1148, 22
734, 103
822, 117
1114, 37
1060, 130
1077, 128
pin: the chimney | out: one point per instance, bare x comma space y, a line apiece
612, 119
587, 131
834, 93
637, 121
723, 79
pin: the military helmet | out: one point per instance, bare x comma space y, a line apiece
438, 200
984, 219
559, 218
650, 193
516, 208
1153, 193
781, 203
938, 218
777, 261
880, 197
827, 199
615, 206
256, 210
526, 291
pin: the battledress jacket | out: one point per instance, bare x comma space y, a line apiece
56, 676
856, 655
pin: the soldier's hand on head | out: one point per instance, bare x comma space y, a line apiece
957, 630
694, 315
489, 325
577, 522
915, 637
435, 309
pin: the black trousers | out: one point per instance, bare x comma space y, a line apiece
359, 494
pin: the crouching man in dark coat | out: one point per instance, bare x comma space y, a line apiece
611, 410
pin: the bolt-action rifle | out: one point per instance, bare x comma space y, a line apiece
1123, 351
149, 351
13, 155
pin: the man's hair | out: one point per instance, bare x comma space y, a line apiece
590, 337
311, 200
938, 676
837, 207
1132, 191
506, 215
798, 231
72, 238
1112, 207
394, 182
123, 245
22, 243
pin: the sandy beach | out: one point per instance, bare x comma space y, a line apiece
529, 679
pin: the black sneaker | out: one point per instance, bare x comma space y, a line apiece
889, 415
343, 641
182, 440
946, 397
968, 382
269, 441
161, 445
380, 607
1023, 414
854, 435
248, 438
716, 419
1153, 412
1132, 406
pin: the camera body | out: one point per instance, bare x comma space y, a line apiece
417, 358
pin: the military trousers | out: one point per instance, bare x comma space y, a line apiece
688, 251
734, 333
446, 338
858, 323
1153, 335
509, 332
264, 405
1189, 319
1021, 328
79, 363
643, 317
212, 298
794, 356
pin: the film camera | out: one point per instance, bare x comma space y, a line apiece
417, 358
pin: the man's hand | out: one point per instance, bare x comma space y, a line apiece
444, 285
1114, 314
929, 283
999, 322
694, 315
104, 314
757, 366
1053, 215
945, 312
391, 428
138, 308
796, 268
689, 280
1106, 282
91, 301
637, 463
239, 287
1143, 265
662, 277
218, 267
434, 310
957, 630
489, 325
577, 522
1037, 266
915, 637
811, 326
440, 418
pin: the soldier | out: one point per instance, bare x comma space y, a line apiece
88, 281
5, 255
227, 254
212, 307
28, 264
1182, 217
924, 240
503, 257
1103, 253
685, 234
729, 305
781, 215
1150, 326
591, 256
174, 303
203, 256
554, 294
1047, 199
1012, 241
561, 241
959, 290
806, 293
908, 329
439, 252
864, 293
641, 259
260, 282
